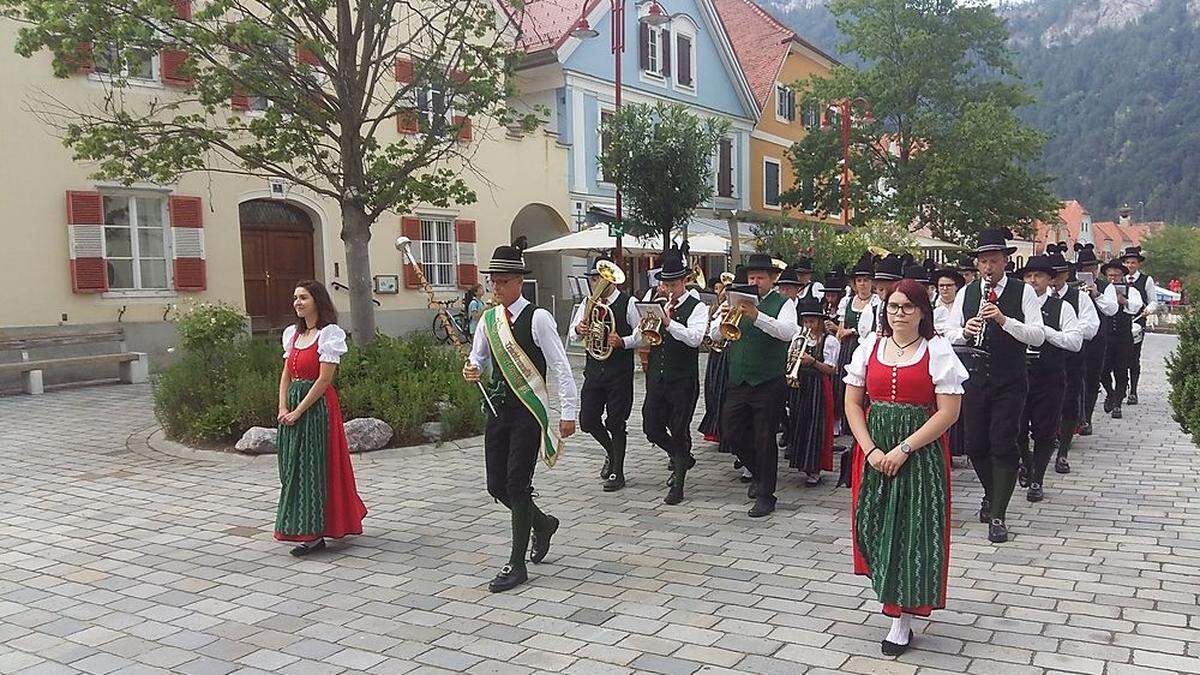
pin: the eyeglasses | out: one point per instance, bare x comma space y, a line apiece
907, 309
948, 286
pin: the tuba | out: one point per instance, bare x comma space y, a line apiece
601, 322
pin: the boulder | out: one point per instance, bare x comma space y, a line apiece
432, 431
258, 441
367, 433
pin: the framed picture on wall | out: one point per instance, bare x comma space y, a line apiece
387, 284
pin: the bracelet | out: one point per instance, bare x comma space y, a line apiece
868, 453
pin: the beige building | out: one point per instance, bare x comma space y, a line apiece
81, 252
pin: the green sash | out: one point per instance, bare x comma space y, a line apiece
522, 377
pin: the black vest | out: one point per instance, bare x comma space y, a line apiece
1075, 360
620, 364
522, 330
1121, 326
1006, 354
1048, 359
673, 360
1140, 285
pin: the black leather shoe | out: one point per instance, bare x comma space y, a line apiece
985, 511
539, 542
1085, 429
812, 481
752, 490
508, 579
1023, 475
1035, 494
1132, 400
673, 497
762, 507
1108, 403
614, 482
606, 470
1116, 412
997, 532
1061, 465
309, 547
895, 649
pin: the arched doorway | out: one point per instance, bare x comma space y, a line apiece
539, 223
277, 253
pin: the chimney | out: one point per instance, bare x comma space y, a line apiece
1126, 215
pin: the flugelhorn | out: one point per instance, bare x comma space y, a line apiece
729, 328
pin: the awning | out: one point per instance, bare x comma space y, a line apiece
595, 238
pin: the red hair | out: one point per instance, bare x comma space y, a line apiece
918, 295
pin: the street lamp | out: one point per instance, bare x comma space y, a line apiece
655, 16
844, 110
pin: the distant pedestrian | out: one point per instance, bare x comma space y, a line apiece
317, 497
473, 302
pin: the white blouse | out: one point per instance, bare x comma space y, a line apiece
945, 369
331, 343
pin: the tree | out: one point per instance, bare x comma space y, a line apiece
1174, 253
660, 158
942, 146
325, 77
829, 248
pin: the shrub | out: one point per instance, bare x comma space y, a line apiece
1183, 373
207, 328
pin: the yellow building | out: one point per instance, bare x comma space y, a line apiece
81, 252
773, 57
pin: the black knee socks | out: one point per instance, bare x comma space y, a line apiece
1066, 434
1004, 481
616, 455
522, 518
1042, 450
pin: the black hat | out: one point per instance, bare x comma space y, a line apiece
739, 274
865, 267
916, 273
836, 281
994, 240
889, 268
1058, 262
758, 262
803, 266
1085, 255
1037, 263
672, 265
507, 260
1133, 252
967, 264
1115, 263
949, 273
810, 306
788, 277
596, 264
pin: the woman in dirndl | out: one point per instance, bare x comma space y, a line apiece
861, 300
809, 433
948, 282
900, 492
317, 497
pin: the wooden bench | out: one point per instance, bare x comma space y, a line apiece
132, 367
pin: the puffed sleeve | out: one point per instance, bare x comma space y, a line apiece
856, 370
946, 370
289, 334
331, 344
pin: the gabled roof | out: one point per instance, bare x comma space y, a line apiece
545, 24
761, 43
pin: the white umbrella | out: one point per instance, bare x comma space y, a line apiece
708, 244
592, 239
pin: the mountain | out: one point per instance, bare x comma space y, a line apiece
1116, 89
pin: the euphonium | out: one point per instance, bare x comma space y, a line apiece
601, 322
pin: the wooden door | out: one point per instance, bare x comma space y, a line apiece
276, 255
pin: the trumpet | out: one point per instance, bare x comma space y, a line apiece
651, 326
601, 322
726, 279
803, 342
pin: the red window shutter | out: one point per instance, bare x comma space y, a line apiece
183, 9
84, 62
411, 228
464, 128
85, 239
404, 70
187, 242
407, 121
306, 56
468, 266
459, 78
171, 63
239, 101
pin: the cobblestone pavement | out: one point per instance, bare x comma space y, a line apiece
117, 558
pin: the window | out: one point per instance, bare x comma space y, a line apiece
785, 103
432, 109
771, 182
135, 242
725, 175
437, 251
683, 58
606, 117
139, 66
811, 115
650, 49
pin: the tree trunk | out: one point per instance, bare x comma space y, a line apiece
735, 246
356, 234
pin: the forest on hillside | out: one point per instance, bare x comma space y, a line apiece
1119, 104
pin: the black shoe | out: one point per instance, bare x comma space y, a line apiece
812, 481
508, 579
762, 507
309, 547
1116, 413
1108, 403
1132, 400
895, 649
1035, 494
1023, 475
752, 490
606, 470
614, 482
539, 542
985, 511
1061, 465
673, 497
997, 532
1085, 429
745, 479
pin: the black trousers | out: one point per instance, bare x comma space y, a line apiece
1116, 366
604, 407
1135, 363
510, 447
1095, 352
992, 409
667, 415
753, 411
1041, 419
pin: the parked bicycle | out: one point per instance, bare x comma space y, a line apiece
458, 321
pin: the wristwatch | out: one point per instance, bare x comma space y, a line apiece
906, 448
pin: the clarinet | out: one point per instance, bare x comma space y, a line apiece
985, 286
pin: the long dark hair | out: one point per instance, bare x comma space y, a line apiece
917, 294
469, 296
326, 313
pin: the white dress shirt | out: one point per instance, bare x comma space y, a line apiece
631, 315
783, 327
1089, 320
1134, 306
1068, 336
833, 349
1028, 331
690, 329
1151, 292
941, 317
868, 318
545, 336
1106, 302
